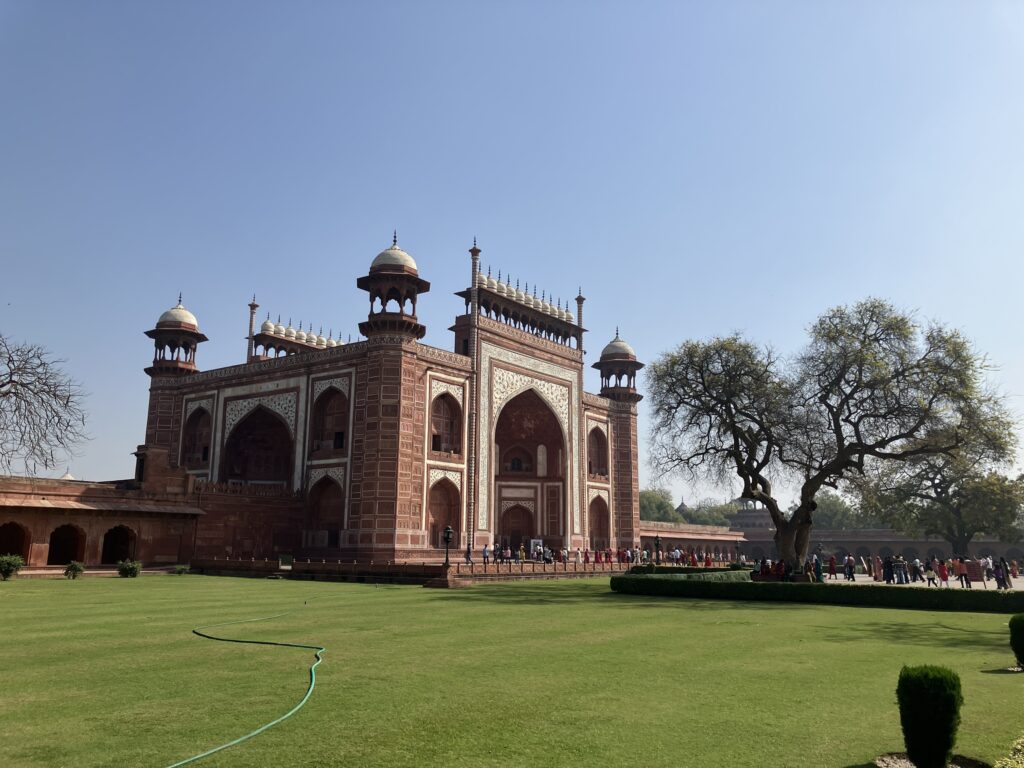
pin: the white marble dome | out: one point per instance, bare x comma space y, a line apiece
178, 314
267, 327
618, 348
393, 257
289, 332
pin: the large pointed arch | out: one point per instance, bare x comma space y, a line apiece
67, 543
195, 442
119, 543
259, 450
599, 524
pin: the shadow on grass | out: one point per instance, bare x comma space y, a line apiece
566, 593
937, 635
1003, 671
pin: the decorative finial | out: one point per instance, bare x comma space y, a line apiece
254, 298
268, 315
394, 239
488, 271
278, 318
474, 242
179, 298
331, 334
350, 338
616, 331
517, 283
499, 275
542, 293
321, 331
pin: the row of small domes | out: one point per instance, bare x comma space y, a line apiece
507, 289
292, 334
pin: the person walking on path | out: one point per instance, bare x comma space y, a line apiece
817, 569
831, 567
961, 573
943, 574
486, 554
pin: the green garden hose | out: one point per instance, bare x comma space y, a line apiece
309, 691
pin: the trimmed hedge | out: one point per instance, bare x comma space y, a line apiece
1017, 637
929, 699
878, 595
707, 575
652, 568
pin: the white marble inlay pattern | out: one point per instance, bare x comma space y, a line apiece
336, 473
192, 405
507, 504
490, 405
283, 404
340, 383
594, 493
438, 387
441, 474
600, 425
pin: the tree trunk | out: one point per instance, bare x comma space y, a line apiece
793, 539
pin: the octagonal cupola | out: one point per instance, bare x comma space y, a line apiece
618, 366
394, 285
175, 339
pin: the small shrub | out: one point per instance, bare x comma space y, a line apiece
929, 699
74, 570
1016, 757
1017, 637
180, 570
129, 569
10, 565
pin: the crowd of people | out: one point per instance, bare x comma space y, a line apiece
933, 572
504, 553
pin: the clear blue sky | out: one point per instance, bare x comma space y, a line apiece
698, 168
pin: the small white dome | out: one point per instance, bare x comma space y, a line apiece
178, 314
331, 343
300, 335
321, 341
393, 257
289, 332
67, 476
481, 281
492, 284
267, 327
618, 348
279, 329
520, 296
502, 289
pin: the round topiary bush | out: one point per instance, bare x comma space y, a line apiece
1017, 637
129, 569
929, 699
74, 570
10, 565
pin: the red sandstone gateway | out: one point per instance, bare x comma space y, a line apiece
367, 450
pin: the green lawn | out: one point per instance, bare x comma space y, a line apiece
106, 672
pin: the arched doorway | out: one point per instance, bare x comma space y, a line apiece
325, 515
15, 540
445, 425
516, 527
444, 511
530, 460
118, 545
196, 442
67, 543
598, 524
259, 451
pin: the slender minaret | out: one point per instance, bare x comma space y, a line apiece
249, 347
579, 318
474, 317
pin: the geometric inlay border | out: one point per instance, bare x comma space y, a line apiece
283, 404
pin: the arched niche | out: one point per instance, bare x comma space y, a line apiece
118, 544
599, 524
329, 428
67, 543
444, 509
325, 515
258, 451
15, 539
196, 440
597, 453
445, 425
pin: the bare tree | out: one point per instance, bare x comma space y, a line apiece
41, 413
872, 385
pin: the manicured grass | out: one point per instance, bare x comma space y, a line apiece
106, 672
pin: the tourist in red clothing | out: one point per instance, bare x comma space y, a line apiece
832, 567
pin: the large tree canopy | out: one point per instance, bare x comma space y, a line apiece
955, 495
41, 414
871, 385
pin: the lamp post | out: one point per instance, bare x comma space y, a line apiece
657, 549
447, 543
